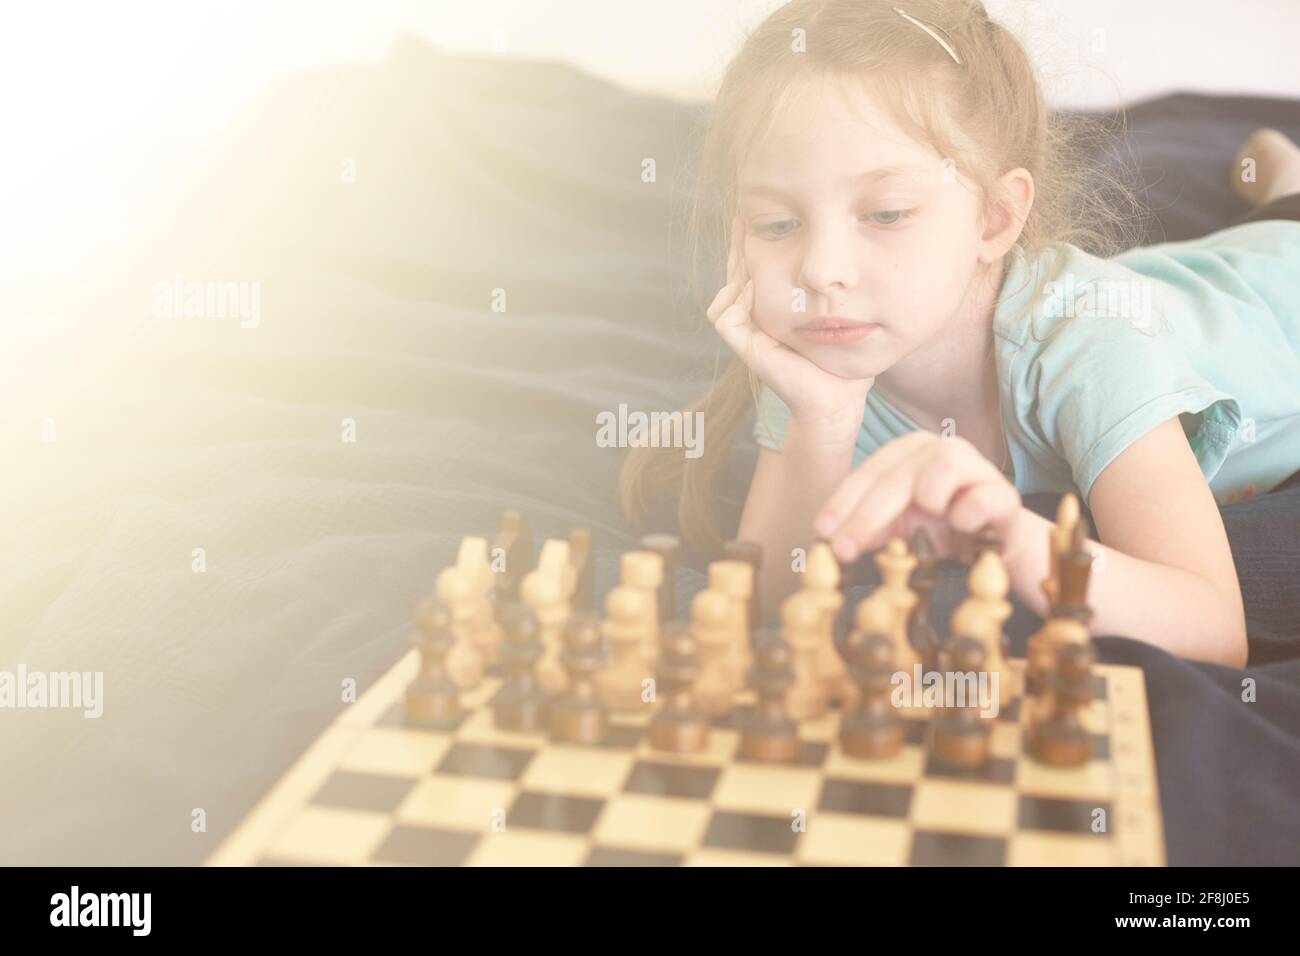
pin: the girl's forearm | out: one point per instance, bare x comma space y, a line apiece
785, 496
1169, 607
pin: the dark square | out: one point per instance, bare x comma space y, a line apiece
743, 831
671, 781
956, 849
471, 760
1011, 712
1101, 747
395, 716
1062, 816
995, 770
873, 799
362, 791
550, 811
608, 856
425, 847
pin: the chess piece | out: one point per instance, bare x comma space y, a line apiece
1059, 538
584, 569
481, 626
457, 589
1040, 661
923, 580
981, 617
735, 579
521, 704
821, 581
678, 727
962, 737
802, 615
431, 699
578, 715
629, 616
873, 730
547, 590
1059, 738
1074, 571
750, 552
669, 549
715, 688
767, 734
512, 557
896, 566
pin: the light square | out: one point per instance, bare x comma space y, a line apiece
662, 824
529, 848
459, 803
841, 839
755, 788
962, 806
578, 771
330, 835
395, 751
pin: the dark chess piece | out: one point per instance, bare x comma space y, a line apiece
751, 552
766, 733
583, 563
873, 730
521, 704
578, 715
1074, 568
678, 727
431, 699
961, 736
925, 578
1059, 738
668, 548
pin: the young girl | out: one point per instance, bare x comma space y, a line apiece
907, 278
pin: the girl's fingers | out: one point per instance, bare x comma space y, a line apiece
980, 504
867, 528
844, 501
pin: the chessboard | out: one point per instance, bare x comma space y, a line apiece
392, 782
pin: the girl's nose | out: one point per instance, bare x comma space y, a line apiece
828, 263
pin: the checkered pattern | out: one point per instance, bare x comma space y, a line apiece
374, 791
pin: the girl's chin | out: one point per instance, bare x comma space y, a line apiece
852, 367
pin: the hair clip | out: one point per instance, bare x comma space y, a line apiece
940, 40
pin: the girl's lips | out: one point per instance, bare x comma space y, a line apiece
835, 332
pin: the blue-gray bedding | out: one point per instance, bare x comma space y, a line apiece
471, 175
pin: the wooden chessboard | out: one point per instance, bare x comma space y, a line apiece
373, 791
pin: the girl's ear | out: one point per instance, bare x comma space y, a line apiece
1006, 215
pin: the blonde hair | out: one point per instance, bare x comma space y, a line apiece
986, 113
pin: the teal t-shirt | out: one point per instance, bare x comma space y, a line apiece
1094, 353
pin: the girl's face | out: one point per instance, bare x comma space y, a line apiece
872, 226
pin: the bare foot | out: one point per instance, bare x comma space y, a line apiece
1268, 166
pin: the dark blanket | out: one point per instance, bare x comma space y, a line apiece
524, 177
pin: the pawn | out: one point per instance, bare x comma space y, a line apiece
578, 715
801, 620
1059, 738
873, 730
961, 736
456, 588
431, 699
521, 703
715, 688
678, 727
767, 733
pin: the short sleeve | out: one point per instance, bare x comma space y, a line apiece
771, 419
1097, 385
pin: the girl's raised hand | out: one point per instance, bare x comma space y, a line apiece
920, 480
813, 395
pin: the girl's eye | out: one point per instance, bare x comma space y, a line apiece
890, 217
771, 229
